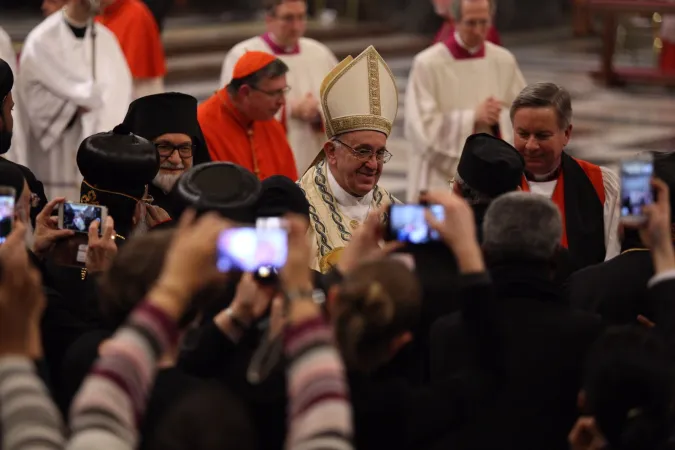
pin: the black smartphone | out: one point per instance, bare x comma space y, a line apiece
636, 188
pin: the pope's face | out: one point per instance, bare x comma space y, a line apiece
289, 22
354, 162
539, 139
264, 101
475, 22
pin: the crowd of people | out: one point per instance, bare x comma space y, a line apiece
531, 317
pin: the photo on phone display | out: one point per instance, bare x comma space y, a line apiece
6, 216
636, 189
250, 249
407, 223
79, 216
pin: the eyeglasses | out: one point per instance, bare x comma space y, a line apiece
364, 154
279, 93
166, 149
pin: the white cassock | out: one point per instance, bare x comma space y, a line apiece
55, 81
447, 82
308, 64
16, 152
611, 208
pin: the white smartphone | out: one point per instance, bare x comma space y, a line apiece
636, 188
79, 216
7, 196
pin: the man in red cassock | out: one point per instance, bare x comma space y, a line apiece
447, 10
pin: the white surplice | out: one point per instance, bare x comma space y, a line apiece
16, 152
55, 81
147, 86
307, 69
611, 208
443, 92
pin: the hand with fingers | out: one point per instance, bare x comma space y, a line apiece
296, 277
457, 229
251, 300
21, 298
365, 243
585, 435
156, 216
190, 263
47, 231
101, 248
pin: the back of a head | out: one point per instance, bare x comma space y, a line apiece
222, 187
133, 272
488, 168
208, 418
522, 226
378, 301
628, 388
117, 166
281, 195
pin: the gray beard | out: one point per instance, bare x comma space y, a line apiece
166, 181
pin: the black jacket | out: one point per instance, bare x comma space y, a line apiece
538, 346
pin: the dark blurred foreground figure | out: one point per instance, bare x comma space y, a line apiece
540, 342
627, 394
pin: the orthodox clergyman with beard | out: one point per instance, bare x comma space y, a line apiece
170, 122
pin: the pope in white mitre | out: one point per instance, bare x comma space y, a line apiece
359, 100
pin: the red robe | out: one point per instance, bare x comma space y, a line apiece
138, 34
448, 29
259, 146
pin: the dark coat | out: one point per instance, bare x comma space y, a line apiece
539, 346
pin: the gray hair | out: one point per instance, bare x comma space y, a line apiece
456, 8
522, 225
546, 95
471, 195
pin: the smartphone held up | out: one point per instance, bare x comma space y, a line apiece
408, 223
78, 217
7, 196
636, 188
261, 249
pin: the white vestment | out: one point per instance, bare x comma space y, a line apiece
55, 81
442, 94
307, 69
611, 209
147, 86
16, 152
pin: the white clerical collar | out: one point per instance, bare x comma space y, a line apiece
274, 39
461, 43
343, 197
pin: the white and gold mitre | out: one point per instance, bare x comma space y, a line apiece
359, 94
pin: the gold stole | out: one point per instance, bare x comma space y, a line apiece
329, 229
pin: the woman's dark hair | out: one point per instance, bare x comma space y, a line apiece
209, 417
132, 274
628, 388
378, 301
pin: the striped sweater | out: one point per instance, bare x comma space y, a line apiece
318, 406
106, 411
